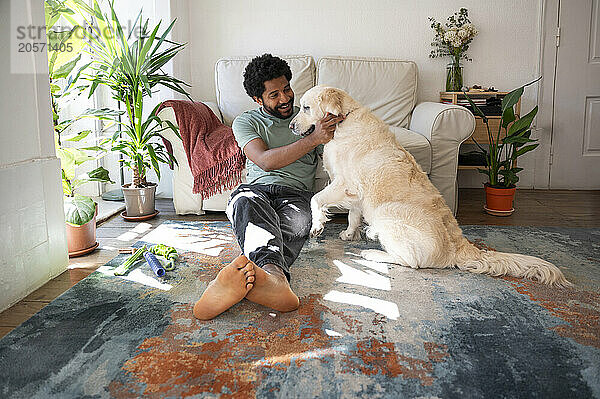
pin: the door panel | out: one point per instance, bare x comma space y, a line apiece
576, 118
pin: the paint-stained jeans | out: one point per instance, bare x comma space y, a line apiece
271, 222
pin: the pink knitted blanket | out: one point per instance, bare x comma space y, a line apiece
214, 157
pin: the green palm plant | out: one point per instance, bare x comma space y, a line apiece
504, 149
131, 66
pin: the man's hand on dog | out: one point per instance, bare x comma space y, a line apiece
325, 128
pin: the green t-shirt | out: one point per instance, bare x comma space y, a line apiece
275, 132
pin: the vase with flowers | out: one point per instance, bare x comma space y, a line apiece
452, 40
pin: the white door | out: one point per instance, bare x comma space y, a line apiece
575, 161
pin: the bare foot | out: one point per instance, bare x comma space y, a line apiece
229, 287
272, 290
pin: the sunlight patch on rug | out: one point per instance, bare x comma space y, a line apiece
386, 308
138, 276
190, 238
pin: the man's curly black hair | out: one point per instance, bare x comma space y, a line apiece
262, 68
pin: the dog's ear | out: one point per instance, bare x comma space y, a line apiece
331, 101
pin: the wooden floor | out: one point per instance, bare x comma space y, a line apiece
533, 208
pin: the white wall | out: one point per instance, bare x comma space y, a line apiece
33, 245
505, 53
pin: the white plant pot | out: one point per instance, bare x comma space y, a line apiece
139, 201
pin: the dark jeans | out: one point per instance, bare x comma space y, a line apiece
271, 222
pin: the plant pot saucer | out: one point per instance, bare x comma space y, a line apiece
82, 252
138, 218
497, 212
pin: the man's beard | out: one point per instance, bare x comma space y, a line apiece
275, 111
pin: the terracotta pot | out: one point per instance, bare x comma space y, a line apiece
499, 201
82, 239
139, 201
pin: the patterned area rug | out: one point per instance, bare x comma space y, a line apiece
363, 329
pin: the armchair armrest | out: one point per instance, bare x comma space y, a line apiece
446, 127
437, 121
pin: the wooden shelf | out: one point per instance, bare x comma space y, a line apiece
480, 134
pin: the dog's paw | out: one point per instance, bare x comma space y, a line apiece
350, 236
316, 230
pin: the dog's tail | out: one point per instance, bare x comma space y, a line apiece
495, 263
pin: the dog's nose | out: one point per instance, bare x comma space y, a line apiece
292, 125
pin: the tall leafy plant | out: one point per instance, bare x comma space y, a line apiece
131, 66
65, 69
505, 148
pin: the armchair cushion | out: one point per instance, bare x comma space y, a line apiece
229, 80
386, 87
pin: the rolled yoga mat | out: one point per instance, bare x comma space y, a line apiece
154, 263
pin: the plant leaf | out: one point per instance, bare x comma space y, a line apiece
99, 174
523, 124
79, 210
477, 111
67, 189
516, 139
508, 116
67, 163
511, 98
153, 159
523, 150
76, 42
80, 136
64, 70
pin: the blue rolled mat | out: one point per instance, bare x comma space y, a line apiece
155, 264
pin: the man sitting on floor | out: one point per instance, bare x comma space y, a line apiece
270, 215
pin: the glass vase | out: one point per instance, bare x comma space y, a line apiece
454, 76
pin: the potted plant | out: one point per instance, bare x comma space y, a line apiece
80, 211
453, 41
512, 140
131, 66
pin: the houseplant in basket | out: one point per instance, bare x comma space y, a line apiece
512, 140
452, 40
130, 65
64, 72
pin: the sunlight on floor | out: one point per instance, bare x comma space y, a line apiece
142, 228
367, 278
137, 276
386, 308
377, 266
127, 236
132, 234
288, 358
109, 248
207, 242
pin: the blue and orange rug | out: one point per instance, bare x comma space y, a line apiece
364, 329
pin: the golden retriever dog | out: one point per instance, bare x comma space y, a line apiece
374, 177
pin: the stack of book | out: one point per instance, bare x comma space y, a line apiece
464, 102
489, 106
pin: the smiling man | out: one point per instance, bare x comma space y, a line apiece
270, 214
